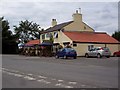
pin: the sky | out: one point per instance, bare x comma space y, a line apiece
101, 16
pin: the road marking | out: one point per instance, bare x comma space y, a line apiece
14, 71
4, 69
58, 84
30, 74
29, 78
10, 73
69, 87
63, 86
18, 75
83, 85
42, 77
72, 83
43, 81
10, 70
60, 80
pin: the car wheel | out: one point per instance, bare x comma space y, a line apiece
98, 55
56, 57
107, 56
75, 57
86, 55
65, 57
115, 55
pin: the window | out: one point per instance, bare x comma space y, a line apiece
43, 36
55, 34
90, 47
74, 45
47, 35
84, 27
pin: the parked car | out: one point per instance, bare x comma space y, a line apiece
66, 52
116, 54
98, 52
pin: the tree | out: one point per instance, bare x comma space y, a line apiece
116, 35
9, 44
51, 38
27, 31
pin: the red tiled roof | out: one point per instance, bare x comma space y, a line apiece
33, 42
90, 37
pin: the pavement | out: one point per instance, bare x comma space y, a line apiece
47, 72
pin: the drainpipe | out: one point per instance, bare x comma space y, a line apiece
105, 45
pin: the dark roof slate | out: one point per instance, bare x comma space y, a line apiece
57, 27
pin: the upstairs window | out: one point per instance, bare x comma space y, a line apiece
43, 36
55, 34
84, 27
47, 35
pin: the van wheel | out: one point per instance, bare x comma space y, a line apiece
65, 57
98, 55
86, 55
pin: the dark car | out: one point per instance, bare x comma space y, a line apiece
116, 54
66, 52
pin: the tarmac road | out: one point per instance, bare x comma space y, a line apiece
48, 72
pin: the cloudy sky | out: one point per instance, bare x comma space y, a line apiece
101, 16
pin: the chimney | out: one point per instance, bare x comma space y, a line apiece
77, 17
54, 22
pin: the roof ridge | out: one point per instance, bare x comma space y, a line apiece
87, 32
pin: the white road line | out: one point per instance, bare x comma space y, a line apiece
13, 71
83, 85
29, 78
63, 86
43, 81
58, 84
10, 70
30, 74
72, 82
42, 77
4, 69
10, 73
69, 87
18, 75
60, 80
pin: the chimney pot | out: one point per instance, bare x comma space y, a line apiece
54, 22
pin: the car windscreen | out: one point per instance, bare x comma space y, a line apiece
106, 49
70, 50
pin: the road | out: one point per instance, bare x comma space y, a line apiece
48, 72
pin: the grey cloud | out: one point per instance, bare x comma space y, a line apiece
99, 16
